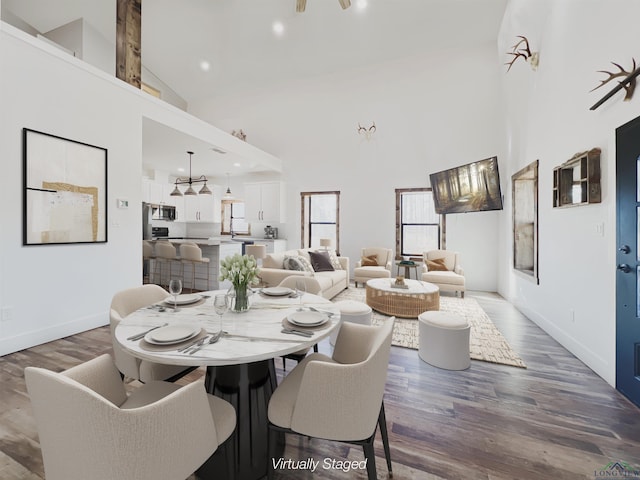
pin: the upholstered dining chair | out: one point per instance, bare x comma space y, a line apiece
89, 428
442, 268
375, 262
311, 286
122, 304
340, 397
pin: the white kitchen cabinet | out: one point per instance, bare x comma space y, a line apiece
264, 202
157, 193
203, 208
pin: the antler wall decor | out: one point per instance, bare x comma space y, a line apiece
628, 83
522, 50
367, 132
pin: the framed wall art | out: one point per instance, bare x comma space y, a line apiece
65, 190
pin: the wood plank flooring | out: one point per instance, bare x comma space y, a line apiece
555, 420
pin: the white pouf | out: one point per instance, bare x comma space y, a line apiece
354, 312
444, 340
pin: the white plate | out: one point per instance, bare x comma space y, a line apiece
184, 299
277, 291
308, 319
172, 334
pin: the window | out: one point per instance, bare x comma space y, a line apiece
320, 213
233, 221
418, 227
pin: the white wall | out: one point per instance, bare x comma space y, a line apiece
548, 118
48, 292
432, 112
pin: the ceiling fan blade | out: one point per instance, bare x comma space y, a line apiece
345, 4
301, 5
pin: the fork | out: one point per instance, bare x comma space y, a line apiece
214, 338
193, 344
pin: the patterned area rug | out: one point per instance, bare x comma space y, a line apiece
486, 341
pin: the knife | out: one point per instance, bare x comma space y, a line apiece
140, 336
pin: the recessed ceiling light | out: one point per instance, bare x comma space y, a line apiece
278, 28
205, 66
237, 164
361, 4
180, 169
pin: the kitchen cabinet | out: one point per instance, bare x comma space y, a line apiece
157, 193
202, 208
264, 202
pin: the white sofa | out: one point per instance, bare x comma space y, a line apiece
332, 283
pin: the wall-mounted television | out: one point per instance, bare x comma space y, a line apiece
474, 187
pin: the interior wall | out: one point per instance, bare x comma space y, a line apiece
52, 291
548, 119
431, 112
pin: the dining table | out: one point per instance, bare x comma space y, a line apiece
240, 365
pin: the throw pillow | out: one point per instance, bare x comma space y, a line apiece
437, 265
296, 262
333, 257
370, 261
320, 262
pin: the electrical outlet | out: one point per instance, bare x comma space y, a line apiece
572, 315
599, 229
7, 314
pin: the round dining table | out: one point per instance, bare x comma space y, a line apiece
240, 365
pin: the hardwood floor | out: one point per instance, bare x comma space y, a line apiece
554, 420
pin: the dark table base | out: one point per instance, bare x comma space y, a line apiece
248, 387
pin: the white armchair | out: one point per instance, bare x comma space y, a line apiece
89, 428
384, 259
122, 304
445, 271
338, 398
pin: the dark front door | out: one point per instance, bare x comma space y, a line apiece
628, 258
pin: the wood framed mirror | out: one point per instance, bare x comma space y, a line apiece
525, 221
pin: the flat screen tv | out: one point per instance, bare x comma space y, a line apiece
474, 187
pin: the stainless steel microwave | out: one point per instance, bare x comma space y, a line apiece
163, 212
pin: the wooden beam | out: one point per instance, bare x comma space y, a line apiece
128, 41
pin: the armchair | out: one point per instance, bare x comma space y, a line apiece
90, 428
384, 259
448, 275
338, 398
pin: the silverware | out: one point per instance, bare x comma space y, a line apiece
139, 336
214, 338
293, 331
331, 314
193, 344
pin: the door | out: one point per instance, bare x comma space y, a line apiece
628, 260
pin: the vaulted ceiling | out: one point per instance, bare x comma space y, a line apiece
236, 37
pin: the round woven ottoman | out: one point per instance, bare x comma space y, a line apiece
444, 340
351, 311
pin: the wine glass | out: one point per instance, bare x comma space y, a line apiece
301, 288
175, 288
220, 306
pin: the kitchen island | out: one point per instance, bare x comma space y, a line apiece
212, 248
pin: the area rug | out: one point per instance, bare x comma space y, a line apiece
486, 343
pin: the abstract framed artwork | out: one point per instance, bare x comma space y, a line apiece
65, 190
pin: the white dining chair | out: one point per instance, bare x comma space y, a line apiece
90, 428
122, 304
340, 397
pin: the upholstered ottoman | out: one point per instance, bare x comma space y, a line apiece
444, 340
351, 311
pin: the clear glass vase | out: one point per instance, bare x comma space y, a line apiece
239, 298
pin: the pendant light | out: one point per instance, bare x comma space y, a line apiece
190, 181
228, 195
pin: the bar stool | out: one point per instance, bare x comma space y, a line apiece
354, 312
191, 254
165, 259
147, 256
